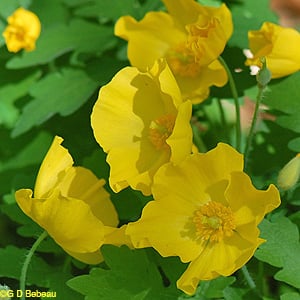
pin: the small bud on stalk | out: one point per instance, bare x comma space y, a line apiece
263, 77
289, 174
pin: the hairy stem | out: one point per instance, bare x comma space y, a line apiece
27, 262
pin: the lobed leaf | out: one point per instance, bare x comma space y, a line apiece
282, 249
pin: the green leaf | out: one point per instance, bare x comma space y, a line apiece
12, 259
294, 144
31, 153
80, 35
7, 7
212, 289
61, 93
11, 92
73, 3
113, 9
50, 12
130, 276
290, 296
283, 97
284, 93
231, 293
282, 249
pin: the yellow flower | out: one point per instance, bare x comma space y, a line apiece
191, 37
279, 45
23, 30
71, 204
205, 211
140, 120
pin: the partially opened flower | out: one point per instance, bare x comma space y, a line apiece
140, 120
191, 37
23, 30
206, 211
71, 204
279, 45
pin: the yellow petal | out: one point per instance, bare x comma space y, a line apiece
147, 41
280, 47
69, 221
247, 203
197, 88
81, 183
188, 11
181, 137
191, 179
222, 258
117, 236
165, 228
53, 167
184, 11
127, 172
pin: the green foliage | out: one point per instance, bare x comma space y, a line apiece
126, 269
282, 249
51, 91
283, 91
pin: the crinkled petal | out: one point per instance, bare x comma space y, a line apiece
181, 137
190, 179
187, 11
197, 88
69, 221
149, 39
56, 162
247, 203
81, 183
166, 227
222, 258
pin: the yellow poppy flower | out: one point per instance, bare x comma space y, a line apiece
191, 37
23, 30
205, 211
279, 45
140, 120
71, 204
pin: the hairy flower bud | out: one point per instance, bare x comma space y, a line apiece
289, 174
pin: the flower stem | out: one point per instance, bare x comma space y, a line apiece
27, 262
222, 113
198, 140
223, 119
236, 103
248, 278
253, 124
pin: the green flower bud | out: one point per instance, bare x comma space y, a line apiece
289, 175
263, 77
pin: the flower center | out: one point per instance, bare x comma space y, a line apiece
198, 34
160, 129
182, 61
214, 221
185, 59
